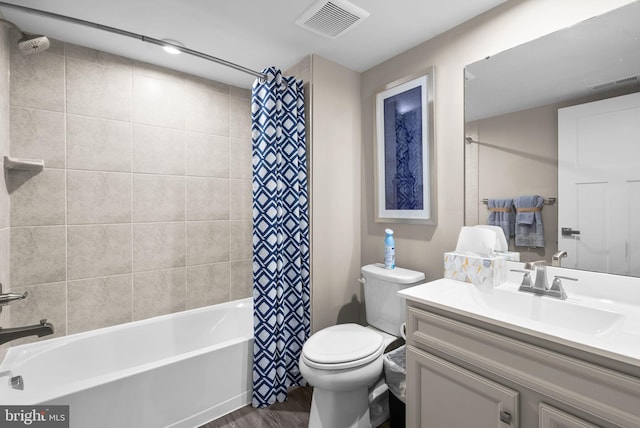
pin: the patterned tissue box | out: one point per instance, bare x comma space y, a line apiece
484, 271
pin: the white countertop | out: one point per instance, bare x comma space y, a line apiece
605, 327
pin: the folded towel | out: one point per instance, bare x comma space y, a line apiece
529, 229
501, 215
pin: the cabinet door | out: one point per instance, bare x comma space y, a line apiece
443, 395
550, 417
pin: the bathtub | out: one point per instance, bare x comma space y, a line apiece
178, 370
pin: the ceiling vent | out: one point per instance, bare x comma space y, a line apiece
627, 81
331, 18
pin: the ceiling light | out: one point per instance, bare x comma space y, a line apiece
172, 46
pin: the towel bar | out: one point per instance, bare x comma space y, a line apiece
547, 201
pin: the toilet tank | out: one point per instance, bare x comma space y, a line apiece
385, 310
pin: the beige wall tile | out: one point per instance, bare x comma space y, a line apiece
45, 301
38, 134
37, 198
97, 57
98, 197
98, 144
207, 199
158, 102
240, 240
4, 63
158, 293
122, 172
98, 250
207, 285
207, 155
200, 84
98, 91
240, 118
241, 279
99, 302
207, 111
5, 262
5, 123
158, 246
243, 93
37, 81
207, 242
240, 205
158, 198
37, 255
240, 158
5, 205
158, 150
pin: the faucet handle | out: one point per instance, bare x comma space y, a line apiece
557, 290
526, 278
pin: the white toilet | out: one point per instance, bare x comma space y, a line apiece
341, 361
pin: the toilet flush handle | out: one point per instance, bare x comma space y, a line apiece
362, 280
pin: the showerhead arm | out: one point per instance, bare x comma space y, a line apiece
13, 25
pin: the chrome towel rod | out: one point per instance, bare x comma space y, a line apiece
547, 201
140, 37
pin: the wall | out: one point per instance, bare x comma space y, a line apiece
511, 24
518, 155
333, 100
144, 206
336, 155
4, 195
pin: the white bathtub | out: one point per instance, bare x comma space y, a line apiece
177, 370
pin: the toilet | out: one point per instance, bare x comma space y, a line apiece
343, 360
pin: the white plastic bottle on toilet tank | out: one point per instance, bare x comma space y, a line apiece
389, 250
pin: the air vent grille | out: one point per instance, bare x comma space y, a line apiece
627, 81
331, 18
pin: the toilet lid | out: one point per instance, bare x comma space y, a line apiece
342, 343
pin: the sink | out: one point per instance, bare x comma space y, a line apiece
546, 310
608, 327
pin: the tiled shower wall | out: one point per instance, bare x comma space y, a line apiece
4, 148
144, 206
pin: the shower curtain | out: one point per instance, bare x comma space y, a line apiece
280, 236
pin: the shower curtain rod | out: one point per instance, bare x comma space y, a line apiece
140, 37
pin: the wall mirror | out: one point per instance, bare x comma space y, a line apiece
512, 102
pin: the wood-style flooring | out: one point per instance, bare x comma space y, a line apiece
293, 413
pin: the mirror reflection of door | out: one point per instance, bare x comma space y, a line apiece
599, 185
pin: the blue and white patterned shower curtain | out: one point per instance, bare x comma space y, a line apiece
280, 236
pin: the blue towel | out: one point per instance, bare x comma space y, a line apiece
501, 215
529, 229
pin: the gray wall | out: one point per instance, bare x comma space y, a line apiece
144, 206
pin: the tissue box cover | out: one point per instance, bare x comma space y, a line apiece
488, 271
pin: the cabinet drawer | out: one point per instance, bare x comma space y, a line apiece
604, 393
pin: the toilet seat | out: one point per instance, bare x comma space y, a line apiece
342, 346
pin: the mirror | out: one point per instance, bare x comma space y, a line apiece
511, 113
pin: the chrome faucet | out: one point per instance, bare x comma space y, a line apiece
9, 334
541, 286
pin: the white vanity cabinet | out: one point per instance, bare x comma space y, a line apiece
464, 373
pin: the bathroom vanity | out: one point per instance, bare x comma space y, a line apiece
497, 357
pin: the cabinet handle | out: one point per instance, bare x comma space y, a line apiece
505, 417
